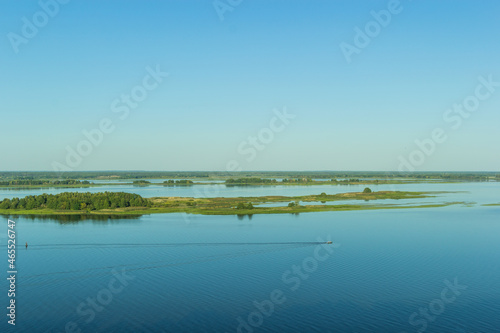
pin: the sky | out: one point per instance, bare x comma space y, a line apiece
250, 85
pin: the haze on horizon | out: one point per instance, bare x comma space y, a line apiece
272, 86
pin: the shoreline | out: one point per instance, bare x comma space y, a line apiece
313, 183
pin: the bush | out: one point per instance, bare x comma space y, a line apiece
242, 205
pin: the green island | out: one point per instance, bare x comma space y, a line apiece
45, 183
120, 203
182, 182
305, 181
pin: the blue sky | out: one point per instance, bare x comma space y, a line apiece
227, 76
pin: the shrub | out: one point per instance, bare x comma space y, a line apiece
242, 205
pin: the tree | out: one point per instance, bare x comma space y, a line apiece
242, 205
5, 204
14, 203
367, 190
22, 204
74, 205
30, 202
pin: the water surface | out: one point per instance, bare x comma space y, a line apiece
205, 273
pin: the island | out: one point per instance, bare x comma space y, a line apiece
120, 203
45, 183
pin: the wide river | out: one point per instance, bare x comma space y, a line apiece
408, 270
476, 192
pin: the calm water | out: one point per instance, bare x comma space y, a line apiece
207, 273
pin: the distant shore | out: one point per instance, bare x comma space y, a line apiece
277, 183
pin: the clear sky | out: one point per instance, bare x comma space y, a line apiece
65, 69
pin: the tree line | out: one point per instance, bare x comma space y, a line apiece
297, 180
25, 182
8, 175
141, 182
249, 181
76, 201
105, 174
178, 182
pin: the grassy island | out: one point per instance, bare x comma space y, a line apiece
305, 181
119, 203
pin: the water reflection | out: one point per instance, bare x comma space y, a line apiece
241, 217
76, 218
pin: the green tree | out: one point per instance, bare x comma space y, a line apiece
242, 205
14, 203
5, 204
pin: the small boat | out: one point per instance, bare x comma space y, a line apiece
329, 242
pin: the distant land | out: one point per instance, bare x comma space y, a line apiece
223, 175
